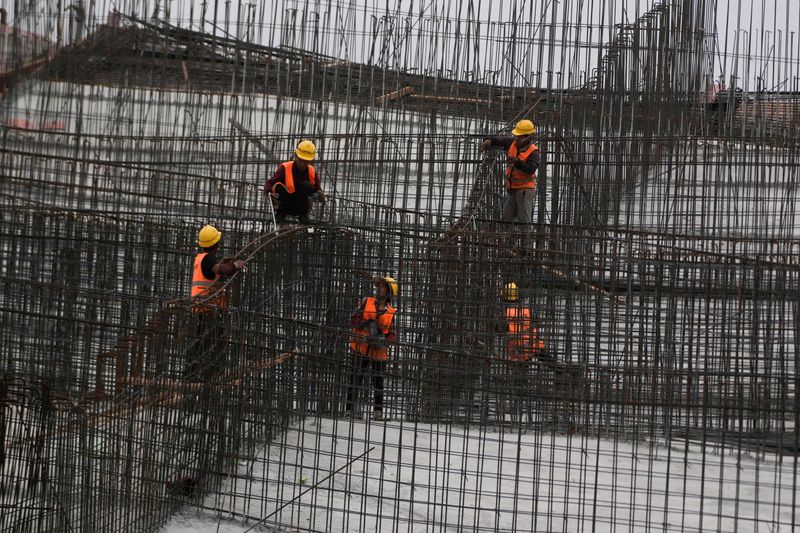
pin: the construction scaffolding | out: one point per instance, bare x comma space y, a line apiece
661, 268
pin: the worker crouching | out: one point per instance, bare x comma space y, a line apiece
373, 332
295, 185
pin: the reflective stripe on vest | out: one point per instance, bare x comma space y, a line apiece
515, 178
289, 176
384, 323
523, 337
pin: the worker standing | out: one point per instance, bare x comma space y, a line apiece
523, 160
295, 185
523, 343
373, 331
522, 346
207, 268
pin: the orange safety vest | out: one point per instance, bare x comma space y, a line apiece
523, 337
384, 324
201, 284
515, 178
289, 176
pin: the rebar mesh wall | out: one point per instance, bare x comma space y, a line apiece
660, 269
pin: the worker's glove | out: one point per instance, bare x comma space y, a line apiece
240, 265
377, 341
485, 145
274, 199
318, 196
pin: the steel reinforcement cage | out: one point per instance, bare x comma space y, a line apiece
660, 270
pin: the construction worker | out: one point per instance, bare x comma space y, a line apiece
206, 270
295, 185
523, 342
522, 345
208, 267
373, 330
522, 162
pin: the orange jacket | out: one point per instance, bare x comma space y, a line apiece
384, 322
288, 176
201, 285
523, 337
516, 178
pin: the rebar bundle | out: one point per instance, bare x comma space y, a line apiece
658, 276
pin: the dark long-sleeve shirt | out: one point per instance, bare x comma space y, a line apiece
300, 176
207, 265
505, 142
224, 266
357, 320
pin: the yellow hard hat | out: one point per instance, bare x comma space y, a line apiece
306, 150
511, 292
392, 283
524, 127
208, 236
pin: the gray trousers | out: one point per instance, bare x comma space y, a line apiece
518, 206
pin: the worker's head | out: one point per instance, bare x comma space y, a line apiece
304, 154
523, 130
386, 287
510, 292
209, 238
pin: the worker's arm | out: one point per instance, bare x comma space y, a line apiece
497, 141
317, 193
278, 177
316, 183
357, 318
391, 337
227, 267
529, 166
378, 338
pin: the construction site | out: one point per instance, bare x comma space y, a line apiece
658, 270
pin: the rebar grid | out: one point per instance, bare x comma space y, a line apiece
660, 268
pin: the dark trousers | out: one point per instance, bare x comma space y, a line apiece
200, 450
516, 386
202, 358
296, 204
364, 367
